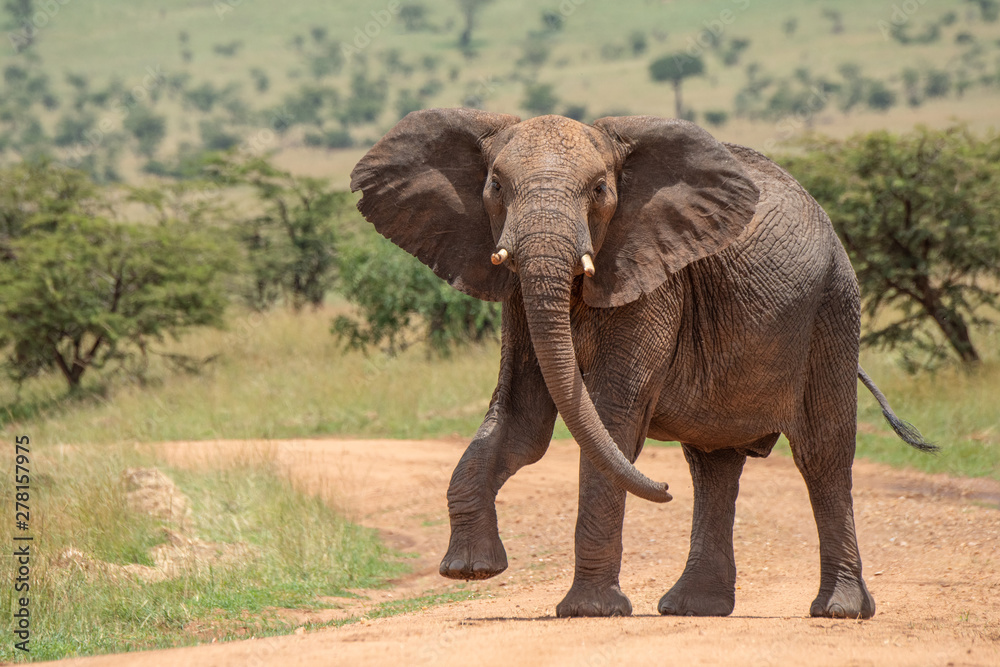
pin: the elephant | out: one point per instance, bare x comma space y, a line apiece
655, 283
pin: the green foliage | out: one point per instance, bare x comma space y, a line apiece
937, 83
552, 21
407, 103
733, 50
880, 96
576, 112
413, 16
366, 102
148, 128
717, 118
675, 68
36, 195
291, 244
401, 301
917, 213
539, 99
638, 43
91, 291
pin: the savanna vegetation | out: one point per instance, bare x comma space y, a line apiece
179, 259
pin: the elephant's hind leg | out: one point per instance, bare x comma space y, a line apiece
823, 444
515, 433
708, 585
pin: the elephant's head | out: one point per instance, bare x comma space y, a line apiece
486, 200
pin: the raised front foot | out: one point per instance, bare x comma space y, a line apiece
583, 600
688, 597
474, 556
848, 600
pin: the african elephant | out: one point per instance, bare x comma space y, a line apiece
655, 283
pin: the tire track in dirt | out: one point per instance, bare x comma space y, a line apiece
930, 545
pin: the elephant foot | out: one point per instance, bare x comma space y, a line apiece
848, 600
583, 600
688, 598
474, 557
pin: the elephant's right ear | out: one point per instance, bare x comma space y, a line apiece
422, 188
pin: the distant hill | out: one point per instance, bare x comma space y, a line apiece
319, 81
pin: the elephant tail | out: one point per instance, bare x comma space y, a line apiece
904, 429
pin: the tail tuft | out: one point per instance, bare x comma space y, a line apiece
909, 433
904, 429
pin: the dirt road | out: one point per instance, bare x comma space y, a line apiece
930, 545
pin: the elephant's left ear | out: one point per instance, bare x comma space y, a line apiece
682, 196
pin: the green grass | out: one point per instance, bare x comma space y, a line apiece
279, 376
302, 550
953, 407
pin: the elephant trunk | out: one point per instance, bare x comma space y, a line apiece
546, 278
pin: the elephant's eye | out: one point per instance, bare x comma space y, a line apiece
600, 189
495, 184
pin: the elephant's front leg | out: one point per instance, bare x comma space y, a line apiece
595, 590
516, 432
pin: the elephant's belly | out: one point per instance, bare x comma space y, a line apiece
730, 410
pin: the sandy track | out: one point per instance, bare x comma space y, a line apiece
930, 545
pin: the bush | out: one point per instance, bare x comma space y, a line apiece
937, 83
329, 139
414, 17
291, 245
638, 43
576, 111
366, 102
880, 96
539, 99
400, 301
148, 128
93, 292
717, 118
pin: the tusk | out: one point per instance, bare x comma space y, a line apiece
499, 257
588, 265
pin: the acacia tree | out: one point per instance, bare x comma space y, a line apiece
291, 243
92, 292
918, 215
675, 68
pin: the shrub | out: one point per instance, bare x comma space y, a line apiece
716, 118
93, 292
400, 301
539, 99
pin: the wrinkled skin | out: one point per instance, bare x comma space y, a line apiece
722, 312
